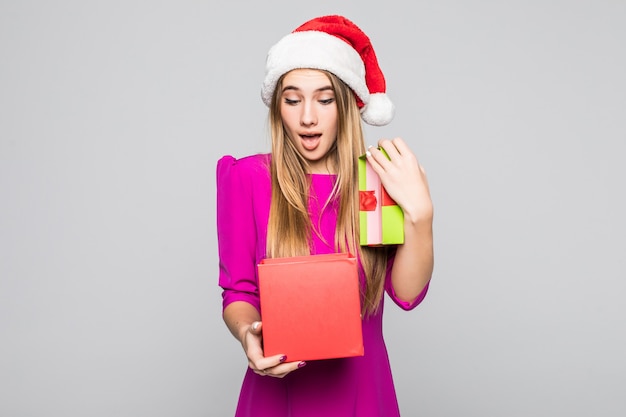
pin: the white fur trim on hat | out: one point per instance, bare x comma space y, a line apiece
317, 50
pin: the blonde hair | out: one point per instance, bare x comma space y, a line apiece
290, 227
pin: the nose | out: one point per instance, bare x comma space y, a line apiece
309, 115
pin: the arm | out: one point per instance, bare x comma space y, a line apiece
237, 248
244, 322
405, 181
239, 317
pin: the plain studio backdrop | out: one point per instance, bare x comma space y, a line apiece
113, 115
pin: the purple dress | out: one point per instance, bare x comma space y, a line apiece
346, 387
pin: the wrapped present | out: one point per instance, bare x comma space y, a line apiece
310, 307
381, 219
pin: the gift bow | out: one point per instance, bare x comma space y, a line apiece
367, 200
385, 199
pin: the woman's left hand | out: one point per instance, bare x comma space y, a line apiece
403, 177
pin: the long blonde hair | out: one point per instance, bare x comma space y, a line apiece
290, 227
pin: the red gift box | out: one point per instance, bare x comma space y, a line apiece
310, 307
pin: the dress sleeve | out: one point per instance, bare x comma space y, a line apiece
236, 233
392, 294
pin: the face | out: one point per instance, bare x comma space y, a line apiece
309, 113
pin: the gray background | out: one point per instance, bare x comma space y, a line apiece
113, 114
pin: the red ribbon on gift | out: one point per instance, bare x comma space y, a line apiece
386, 200
367, 200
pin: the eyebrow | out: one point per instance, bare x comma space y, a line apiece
293, 87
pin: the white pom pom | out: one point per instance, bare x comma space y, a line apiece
379, 110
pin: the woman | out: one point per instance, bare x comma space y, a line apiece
302, 199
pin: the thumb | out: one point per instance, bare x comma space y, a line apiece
256, 327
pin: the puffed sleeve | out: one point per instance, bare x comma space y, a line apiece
392, 294
236, 233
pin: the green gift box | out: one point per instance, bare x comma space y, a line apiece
381, 219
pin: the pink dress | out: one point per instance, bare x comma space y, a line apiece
359, 386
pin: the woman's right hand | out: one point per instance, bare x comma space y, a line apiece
276, 366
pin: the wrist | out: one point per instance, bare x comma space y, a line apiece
418, 213
242, 331
419, 228
418, 220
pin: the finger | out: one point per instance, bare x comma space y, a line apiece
377, 159
389, 147
262, 365
283, 369
401, 146
255, 328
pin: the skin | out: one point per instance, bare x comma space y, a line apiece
309, 114
405, 181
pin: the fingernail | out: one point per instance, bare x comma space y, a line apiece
255, 325
301, 364
368, 153
282, 359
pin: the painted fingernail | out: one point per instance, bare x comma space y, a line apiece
301, 364
368, 153
255, 325
282, 359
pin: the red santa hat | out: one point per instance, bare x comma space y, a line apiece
335, 44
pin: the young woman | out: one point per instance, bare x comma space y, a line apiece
303, 198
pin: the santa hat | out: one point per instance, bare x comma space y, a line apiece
335, 44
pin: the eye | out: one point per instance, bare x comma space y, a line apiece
291, 102
327, 101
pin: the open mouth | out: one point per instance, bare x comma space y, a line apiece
310, 142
